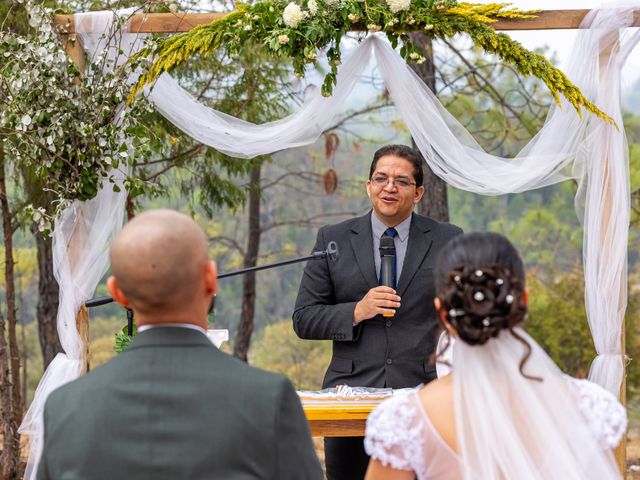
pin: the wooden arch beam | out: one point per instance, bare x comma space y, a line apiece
183, 22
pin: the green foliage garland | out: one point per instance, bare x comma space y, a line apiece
297, 34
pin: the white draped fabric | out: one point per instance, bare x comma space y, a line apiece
81, 240
511, 427
590, 151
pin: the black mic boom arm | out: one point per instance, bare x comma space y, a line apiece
331, 252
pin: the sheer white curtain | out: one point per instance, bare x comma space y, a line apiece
80, 258
81, 240
589, 151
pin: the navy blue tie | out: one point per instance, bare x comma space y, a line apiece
392, 232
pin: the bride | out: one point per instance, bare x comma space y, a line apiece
506, 411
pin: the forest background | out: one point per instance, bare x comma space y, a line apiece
269, 209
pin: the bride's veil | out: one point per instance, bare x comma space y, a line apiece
512, 427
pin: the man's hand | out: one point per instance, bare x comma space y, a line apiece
378, 301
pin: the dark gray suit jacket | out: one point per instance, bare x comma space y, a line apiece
172, 406
380, 352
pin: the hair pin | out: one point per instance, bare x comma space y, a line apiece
486, 322
509, 299
478, 296
456, 313
479, 273
499, 281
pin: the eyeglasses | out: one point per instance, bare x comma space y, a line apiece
383, 181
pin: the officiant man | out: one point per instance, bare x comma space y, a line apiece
382, 336
172, 406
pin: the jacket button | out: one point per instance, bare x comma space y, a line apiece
388, 323
389, 361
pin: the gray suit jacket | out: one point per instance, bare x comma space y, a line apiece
380, 352
172, 406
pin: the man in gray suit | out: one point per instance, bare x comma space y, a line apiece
382, 336
172, 406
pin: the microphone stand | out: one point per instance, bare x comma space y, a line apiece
331, 252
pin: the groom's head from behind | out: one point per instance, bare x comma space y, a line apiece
161, 269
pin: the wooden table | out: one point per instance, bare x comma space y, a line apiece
338, 419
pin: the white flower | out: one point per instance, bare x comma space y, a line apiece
414, 56
332, 3
353, 17
398, 5
312, 56
26, 120
247, 28
312, 5
292, 15
421, 60
428, 27
283, 39
372, 27
410, 21
173, 7
256, 17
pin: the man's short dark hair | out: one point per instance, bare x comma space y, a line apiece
401, 151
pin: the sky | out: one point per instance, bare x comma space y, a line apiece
561, 41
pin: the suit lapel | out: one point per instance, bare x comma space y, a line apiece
420, 240
362, 245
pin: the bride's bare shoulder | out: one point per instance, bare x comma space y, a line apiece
437, 395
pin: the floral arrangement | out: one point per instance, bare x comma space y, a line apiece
300, 29
66, 130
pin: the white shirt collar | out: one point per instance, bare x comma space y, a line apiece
402, 228
149, 326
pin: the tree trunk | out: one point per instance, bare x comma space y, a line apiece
245, 329
434, 203
23, 345
10, 398
48, 293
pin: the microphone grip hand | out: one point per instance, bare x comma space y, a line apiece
378, 301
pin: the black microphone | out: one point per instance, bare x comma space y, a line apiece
387, 261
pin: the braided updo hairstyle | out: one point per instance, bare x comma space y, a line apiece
479, 279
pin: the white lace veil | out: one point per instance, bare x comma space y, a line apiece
511, 427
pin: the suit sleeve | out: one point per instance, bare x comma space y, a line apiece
317, 316
297, 459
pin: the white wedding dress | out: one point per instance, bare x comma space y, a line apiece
497, 440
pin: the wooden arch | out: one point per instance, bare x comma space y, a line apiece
184, 22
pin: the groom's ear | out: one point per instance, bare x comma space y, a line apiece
117, 294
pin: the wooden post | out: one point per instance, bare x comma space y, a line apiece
73, 46
610, 45
82, 324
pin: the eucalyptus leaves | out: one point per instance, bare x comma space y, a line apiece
67, 130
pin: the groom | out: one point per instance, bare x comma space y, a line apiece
172, 406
